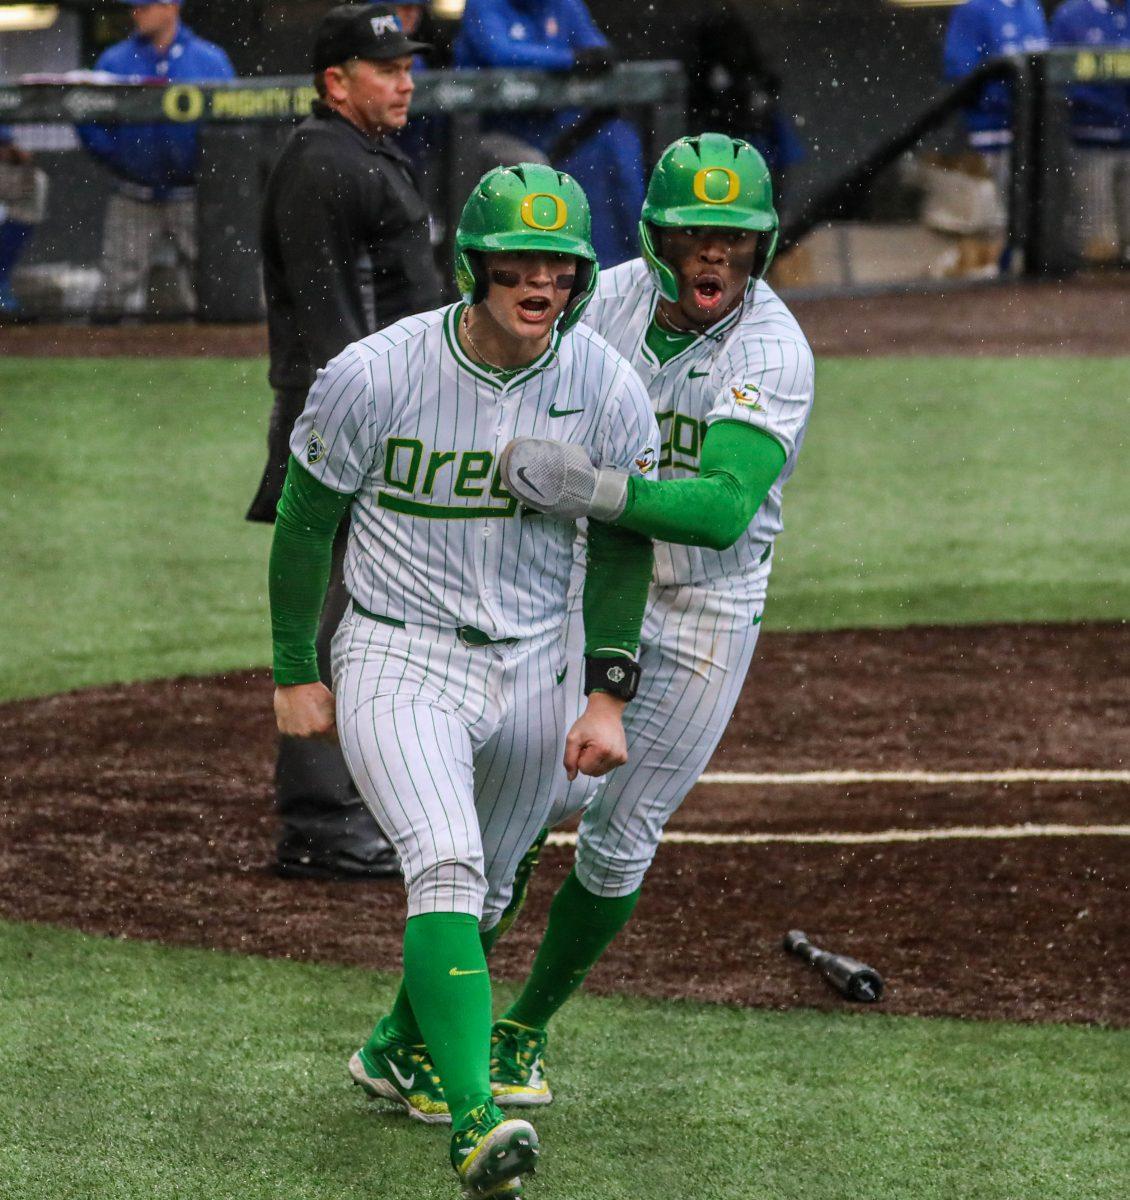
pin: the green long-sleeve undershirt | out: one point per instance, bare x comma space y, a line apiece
309, 513
736, 470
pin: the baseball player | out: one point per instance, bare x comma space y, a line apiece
730, 376
449, 665
978, 31
1100, 133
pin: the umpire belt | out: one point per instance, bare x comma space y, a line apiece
467, 634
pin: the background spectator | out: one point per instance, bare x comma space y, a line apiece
1099, 219
23, 203
978, 31
153, 206
599, 149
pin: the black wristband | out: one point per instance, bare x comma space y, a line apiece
617, 676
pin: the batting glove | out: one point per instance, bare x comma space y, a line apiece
558, 478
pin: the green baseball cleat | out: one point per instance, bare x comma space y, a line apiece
517, 1069
491, 1154
404, 1074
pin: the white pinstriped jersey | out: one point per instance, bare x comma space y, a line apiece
412, 427
755, 367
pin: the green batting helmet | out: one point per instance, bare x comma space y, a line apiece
526, 207
711, 179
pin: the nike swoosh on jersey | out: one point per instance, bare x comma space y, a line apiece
563, 412
405, 1081
456, 971
697, 374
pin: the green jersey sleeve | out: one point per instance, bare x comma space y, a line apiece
738, 466
309, 514
616, 581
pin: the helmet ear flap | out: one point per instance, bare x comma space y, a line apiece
583, 288
471, 276
766, 249
662, 275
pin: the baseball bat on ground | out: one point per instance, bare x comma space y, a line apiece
856, 980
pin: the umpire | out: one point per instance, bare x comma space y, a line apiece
346, 251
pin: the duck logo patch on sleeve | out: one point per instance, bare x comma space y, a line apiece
645, 461
748, 396
315, 448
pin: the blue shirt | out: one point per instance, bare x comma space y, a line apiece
158, 156
536, 34
1100, 112
981, 30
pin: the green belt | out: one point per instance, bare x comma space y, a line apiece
467, 634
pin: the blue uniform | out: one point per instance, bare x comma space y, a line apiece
981, 30
1100, 113
161, 157
545, 35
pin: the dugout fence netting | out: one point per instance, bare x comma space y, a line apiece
920, 209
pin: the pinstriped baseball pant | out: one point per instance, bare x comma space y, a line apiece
695, 651
455, 750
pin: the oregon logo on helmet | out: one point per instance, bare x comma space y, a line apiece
717, 185
544, 210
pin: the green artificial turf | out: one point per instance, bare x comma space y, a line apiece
123, 485
928, 490
133, 1070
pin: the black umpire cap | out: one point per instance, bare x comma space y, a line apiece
361, 31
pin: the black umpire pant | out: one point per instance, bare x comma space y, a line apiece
327, 832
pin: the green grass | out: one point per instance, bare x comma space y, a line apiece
123, 486
953, 491
929, 490
136, 1071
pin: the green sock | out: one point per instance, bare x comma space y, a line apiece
445, 974
580, 928
401, 1024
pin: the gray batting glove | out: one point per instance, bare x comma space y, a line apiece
558, 478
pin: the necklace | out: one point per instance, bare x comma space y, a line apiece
471, 342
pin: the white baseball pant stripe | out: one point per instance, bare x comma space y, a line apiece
695, 651
456, 751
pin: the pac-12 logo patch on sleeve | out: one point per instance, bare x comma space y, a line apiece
315, 448
748, 396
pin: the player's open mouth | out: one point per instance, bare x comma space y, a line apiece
707, 291
533, 309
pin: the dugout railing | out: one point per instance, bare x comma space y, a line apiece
1038, 196
243, 124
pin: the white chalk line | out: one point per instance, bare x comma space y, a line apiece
792, 778
879, 837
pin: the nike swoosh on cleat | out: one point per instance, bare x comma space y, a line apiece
563, 412
456, 971
521, 473
405, 1081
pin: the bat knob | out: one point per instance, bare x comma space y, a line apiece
795, 940
865, 985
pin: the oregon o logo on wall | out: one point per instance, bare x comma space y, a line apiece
544, 210
717, 185
182, 102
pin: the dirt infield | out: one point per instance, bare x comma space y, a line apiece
1079, 316
144, 811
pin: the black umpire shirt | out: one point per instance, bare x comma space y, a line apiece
346, 247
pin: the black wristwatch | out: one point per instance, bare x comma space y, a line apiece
617, 676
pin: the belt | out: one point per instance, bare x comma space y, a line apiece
467, 634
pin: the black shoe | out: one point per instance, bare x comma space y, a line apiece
351, 858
